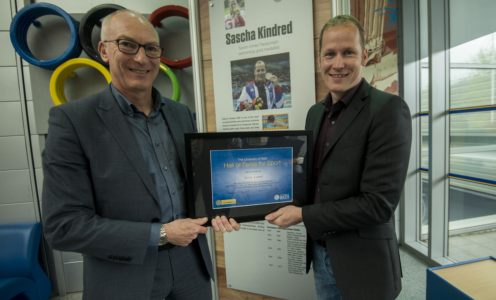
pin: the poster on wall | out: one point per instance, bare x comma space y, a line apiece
264, 80
380, 21
262, 62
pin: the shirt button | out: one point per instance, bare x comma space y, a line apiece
327, 144
333, 122
157, 144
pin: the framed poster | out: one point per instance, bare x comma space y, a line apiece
246, 175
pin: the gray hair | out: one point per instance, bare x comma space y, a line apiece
108, 19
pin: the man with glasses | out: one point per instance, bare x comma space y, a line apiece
114, 179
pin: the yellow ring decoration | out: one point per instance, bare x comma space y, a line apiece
65, 71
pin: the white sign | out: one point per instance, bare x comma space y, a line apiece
263, 64
263, 259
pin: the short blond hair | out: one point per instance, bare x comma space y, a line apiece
340, 21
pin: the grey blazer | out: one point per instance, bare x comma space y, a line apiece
98, 197
360, 184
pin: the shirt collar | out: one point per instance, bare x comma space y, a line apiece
346, 99
128, 108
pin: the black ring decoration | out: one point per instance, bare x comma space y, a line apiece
27, 16
170, 11
88, 22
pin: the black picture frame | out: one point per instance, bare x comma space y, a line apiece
201, 147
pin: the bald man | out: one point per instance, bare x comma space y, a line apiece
114, 179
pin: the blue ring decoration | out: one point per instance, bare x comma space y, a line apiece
27, 16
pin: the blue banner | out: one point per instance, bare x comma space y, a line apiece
247, 177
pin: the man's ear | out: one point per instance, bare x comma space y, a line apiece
365, 55
103, 51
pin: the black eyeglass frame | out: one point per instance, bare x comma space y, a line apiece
117, 42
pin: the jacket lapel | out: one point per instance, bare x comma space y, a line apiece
115, 122
348, 115
316, 117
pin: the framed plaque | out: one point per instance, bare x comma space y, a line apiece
246, 175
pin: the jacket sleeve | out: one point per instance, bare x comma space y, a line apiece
69, 209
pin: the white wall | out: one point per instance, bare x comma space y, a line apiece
17, 195
481, 16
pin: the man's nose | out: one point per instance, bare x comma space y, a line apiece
338, 62
141, 54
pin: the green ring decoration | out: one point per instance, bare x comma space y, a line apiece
176, 90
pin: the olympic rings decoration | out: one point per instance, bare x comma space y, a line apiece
66, 70
27, 16
176, 90
169, 11
65, 65
88, 22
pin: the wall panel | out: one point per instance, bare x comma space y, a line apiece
4, 15
8, 83
13, 154
8, 53
17, 213
15, 186
10, 119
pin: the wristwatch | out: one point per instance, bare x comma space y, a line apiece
163, 236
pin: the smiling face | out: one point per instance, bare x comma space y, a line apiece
342, 59
130, 73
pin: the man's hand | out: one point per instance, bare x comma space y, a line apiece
285, 216
222, 224
182, 232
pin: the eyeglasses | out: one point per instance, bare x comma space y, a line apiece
130, 47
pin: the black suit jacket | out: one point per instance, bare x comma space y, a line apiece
99, 198
360, 183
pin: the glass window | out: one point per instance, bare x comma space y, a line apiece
478, 50
424, 201
472, 86
473, 144
424, 89
424, 142
424, 208
424, 179
472, 132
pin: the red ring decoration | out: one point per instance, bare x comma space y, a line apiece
170, 11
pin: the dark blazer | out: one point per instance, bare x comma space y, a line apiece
360, 184
100, 200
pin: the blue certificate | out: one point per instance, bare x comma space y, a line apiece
250, 177
246, 175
